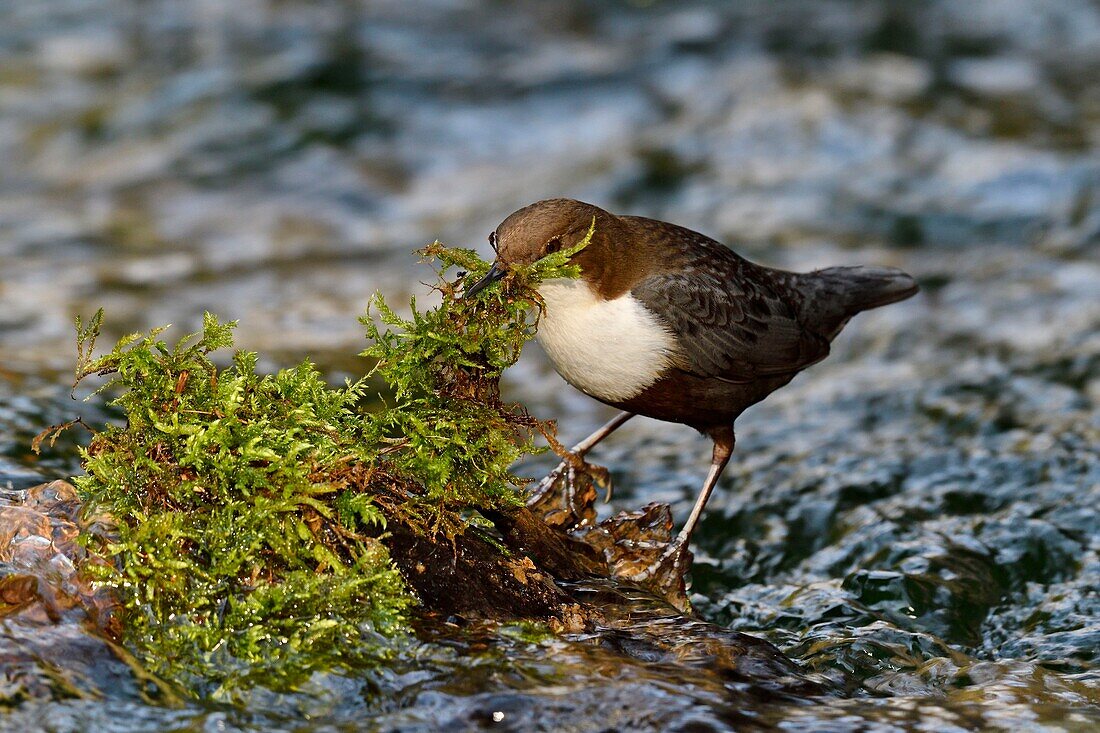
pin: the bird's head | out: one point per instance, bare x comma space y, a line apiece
546, 227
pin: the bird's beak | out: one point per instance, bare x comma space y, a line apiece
495, 273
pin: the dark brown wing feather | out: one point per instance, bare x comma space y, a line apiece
735, 320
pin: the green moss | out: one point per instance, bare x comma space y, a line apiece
448, 426
251, 508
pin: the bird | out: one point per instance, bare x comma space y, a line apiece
668, 323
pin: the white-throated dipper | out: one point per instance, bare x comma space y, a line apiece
668, 323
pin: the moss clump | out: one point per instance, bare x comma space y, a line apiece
240, 547
448, 428
251, 508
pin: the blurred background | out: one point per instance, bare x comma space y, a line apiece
277, 161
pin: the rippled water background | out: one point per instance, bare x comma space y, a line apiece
915, 520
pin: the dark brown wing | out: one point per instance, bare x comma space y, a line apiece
735, 320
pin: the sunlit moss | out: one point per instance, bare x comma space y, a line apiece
252, 508
448, 425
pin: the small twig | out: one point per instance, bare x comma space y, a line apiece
53, 432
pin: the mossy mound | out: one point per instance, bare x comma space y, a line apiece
251, 509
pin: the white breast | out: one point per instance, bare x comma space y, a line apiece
609, 349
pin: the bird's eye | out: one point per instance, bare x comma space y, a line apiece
493, 242
553, 245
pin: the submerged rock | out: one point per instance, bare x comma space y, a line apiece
51, 618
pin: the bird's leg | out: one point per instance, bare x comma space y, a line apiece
723, 448
672, 564
543, 495
581, 449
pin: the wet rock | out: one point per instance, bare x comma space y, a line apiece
50, 648
49, 616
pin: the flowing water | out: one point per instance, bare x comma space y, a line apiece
915, 521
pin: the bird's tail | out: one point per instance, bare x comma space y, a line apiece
841, 292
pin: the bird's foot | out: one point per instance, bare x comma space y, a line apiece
566, 497
667, 573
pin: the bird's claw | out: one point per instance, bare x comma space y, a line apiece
566, 497
666, 574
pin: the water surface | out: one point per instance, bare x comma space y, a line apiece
914, 520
